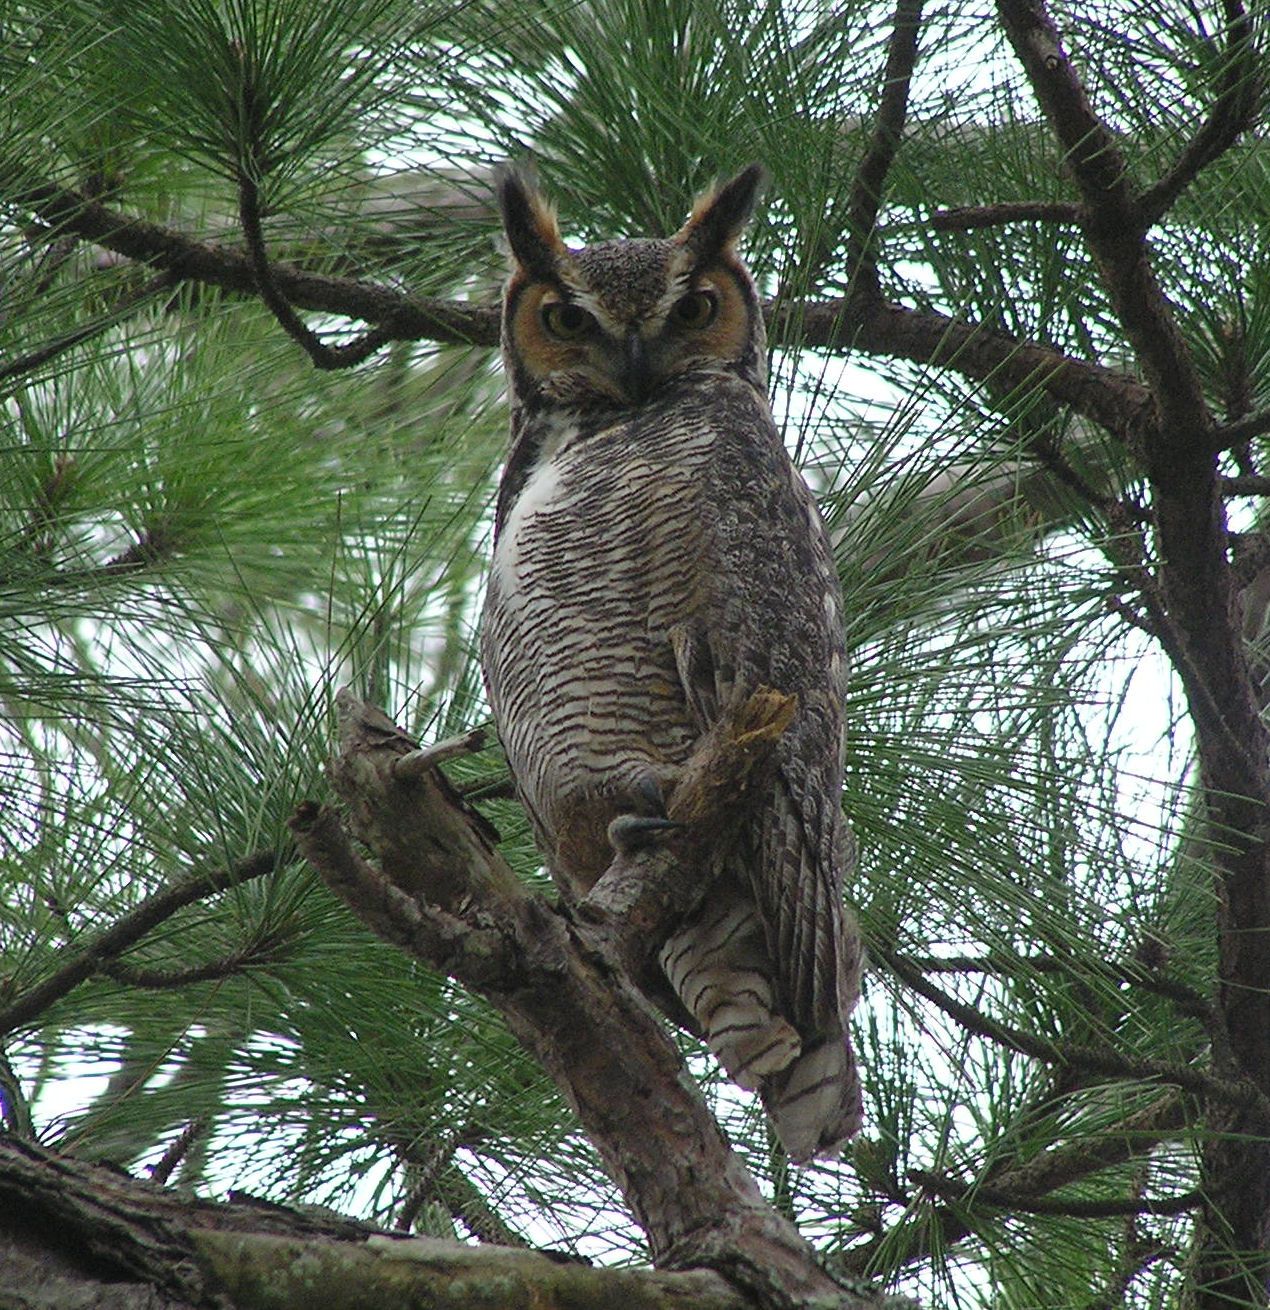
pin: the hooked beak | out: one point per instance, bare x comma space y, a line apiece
636, 374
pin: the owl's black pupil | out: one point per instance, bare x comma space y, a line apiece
695, 309
568, 318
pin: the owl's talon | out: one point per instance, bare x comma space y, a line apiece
648, 785
637, 832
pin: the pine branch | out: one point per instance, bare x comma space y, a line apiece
88, 957
1113, 400
1128, 970
406, 318
888, 129
1133, 1137
966, 218
1233, 112
1084, 1059
121, 309
1004, 1198
1200, 597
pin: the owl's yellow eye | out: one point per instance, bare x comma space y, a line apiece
695, 310
565, 321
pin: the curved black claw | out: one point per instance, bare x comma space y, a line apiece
637, 832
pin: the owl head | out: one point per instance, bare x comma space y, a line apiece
609, 326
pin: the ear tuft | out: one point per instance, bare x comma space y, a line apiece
529, 220
718, 216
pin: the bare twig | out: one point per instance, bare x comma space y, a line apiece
1132, 1137
88, 957
227, 966
178, 1150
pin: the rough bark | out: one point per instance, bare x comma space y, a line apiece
75, 1236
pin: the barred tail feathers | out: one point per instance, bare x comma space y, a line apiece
719, 965
815, 1104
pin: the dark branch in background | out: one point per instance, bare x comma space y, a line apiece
120, 310
888, 129
1199, 597
88, 957
1082, 1059
1233, 112
967, 217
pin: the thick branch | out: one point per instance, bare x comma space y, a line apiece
89, 955
78, 1234
446, 895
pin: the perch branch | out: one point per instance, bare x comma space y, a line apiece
104, 1238
442, 891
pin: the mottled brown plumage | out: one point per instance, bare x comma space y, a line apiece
656, 554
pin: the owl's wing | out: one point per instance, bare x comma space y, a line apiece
773, 618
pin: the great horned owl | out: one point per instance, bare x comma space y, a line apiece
656, 554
